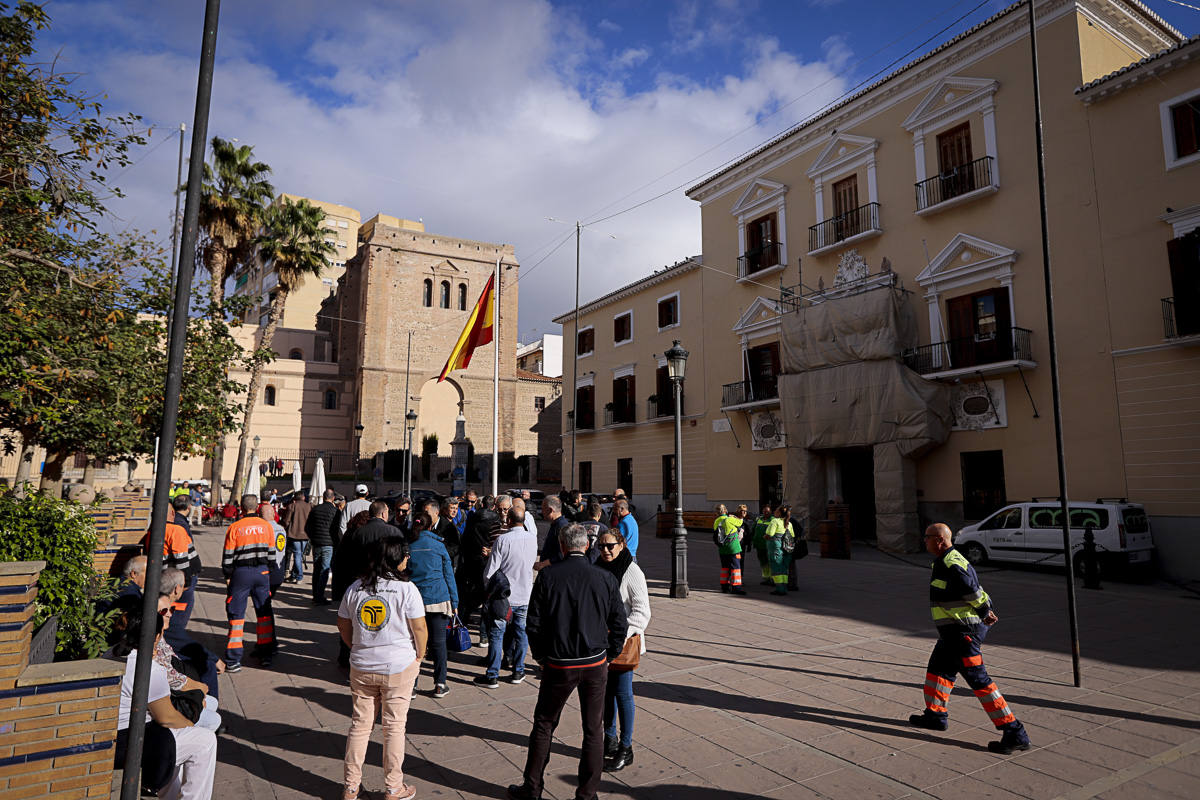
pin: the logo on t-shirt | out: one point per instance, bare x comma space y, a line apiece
372, 613
280, 541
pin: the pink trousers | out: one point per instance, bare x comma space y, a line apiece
389, 696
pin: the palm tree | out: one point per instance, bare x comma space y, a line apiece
232, 198
293, 244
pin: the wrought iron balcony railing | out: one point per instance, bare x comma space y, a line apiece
761, 258
1007, 344
661, 406
842, 227
743, 392
954, 182
620, 415
587, 420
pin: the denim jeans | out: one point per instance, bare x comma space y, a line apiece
495, 632
322, 558
618, 702
297, 548
436, 624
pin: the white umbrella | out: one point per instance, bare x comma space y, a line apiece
318, 480
296, 479
254, 479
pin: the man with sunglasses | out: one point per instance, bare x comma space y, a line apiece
401, 509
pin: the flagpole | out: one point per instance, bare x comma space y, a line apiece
496, 380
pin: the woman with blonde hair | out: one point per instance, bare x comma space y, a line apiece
616, 559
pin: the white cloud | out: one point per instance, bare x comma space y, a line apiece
483, 119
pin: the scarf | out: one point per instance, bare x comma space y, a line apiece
618, 565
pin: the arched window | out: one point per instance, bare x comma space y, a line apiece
296, 354
427, 296
269, 396
462, 297
330, 400
445, 294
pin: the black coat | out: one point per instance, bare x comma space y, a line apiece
575, 614
321, 519
350, 558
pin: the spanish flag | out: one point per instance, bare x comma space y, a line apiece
477, 333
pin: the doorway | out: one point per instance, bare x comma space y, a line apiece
625, 475
856, 471
770, 485
983, 483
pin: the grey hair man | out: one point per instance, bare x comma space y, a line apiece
171, 583
134, 571
576, 625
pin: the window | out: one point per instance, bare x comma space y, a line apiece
762, 372
955, 176
762, 245
269, 396
941, 125
982, 482
539, 404
1181, 129
587, 342
623, 328
624, 398
330, 400
980, 328
668, 312
342, 224
296, 354
462, 297
445, 294
585, 407
625, 475
1183, 259
845, 201
427, 294
1005, 520
664, 393
1096, 518
81, 461
585, 476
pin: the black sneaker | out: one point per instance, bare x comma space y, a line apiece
519, 791
441, 690
738, 590
928, 721
517, 677
483, 681
266, 661
232, 668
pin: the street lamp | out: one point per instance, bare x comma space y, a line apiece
411, 423
358, 429
676, 363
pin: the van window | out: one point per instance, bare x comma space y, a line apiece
1135, 520
1008, 519
1045, 517
1097, 518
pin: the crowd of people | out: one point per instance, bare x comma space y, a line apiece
404, 574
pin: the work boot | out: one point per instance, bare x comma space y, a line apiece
725, 588
738, 590
620, 761
611, 745
1010, 740
930, 722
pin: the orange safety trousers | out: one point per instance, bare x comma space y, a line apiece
249, 583
956, 653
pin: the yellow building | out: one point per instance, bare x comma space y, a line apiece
898, 235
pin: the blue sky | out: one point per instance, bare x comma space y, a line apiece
485, 118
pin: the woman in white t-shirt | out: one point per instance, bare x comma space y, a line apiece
382, 620
195, 747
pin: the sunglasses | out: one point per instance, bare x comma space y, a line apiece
610, 545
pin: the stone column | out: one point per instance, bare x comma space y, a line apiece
896, 521
458, 456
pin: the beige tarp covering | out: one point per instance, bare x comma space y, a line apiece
844, 386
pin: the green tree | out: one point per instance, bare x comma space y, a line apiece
232, 202
292, 245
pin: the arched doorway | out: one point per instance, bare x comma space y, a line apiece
436, 415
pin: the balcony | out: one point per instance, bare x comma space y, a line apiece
860, 223
757, 260
958, 184
1181, 320
619, 415
1004, 351
746, 394
587, 421
663, 407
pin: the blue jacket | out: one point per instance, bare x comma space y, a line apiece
431, 571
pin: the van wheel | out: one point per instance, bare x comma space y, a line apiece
975, 553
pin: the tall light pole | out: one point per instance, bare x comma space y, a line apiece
410, 420
676, 364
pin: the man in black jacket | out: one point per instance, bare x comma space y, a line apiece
351, 560
472, 558
576, 625
321, 520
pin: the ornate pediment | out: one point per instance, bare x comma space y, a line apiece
965, 259
758, 193
761, 311
842, 149
951, 96
446, 266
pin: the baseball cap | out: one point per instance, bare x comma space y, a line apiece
360, 489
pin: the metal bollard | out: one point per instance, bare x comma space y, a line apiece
1091, 565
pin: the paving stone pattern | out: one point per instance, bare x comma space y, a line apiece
745, 697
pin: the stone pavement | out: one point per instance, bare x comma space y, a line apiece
742, 697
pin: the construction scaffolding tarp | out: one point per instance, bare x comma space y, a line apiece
843, 386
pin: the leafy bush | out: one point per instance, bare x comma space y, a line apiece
41, 528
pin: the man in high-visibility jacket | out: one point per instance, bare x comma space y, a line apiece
963, 614
245, 562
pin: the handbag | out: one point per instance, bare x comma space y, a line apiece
458, 638
631, 653
188, 702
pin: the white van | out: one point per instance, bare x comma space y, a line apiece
1031, 533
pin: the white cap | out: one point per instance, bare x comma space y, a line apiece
360, 489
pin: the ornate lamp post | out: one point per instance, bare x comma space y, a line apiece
411, 422
676, 363
358, 430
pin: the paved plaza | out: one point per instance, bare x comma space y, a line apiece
746, 697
